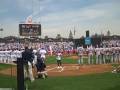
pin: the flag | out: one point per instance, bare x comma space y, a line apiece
29, 20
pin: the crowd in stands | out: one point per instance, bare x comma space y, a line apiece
111, 43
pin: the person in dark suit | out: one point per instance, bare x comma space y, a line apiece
27, 57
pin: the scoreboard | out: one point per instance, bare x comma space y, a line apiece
30, 29
87, 41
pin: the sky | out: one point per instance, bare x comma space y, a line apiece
61, 16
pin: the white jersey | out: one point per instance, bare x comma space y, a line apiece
13, 56
42, 52
1, 55
18, 53
90, 51
80, 51
97, 51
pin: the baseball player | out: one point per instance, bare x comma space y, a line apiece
118, 54
98, 59
80, 51
90, 55
102, 52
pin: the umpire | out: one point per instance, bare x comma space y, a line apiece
27, 57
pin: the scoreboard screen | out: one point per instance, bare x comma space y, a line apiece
87, 41
30, 29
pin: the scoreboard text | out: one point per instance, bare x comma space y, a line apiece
30, 29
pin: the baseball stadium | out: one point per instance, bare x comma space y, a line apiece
59, 45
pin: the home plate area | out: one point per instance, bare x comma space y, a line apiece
62, 69
67, 70
74, 69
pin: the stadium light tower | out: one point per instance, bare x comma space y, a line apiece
1, 30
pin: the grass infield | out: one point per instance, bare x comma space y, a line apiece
52, 60
104, 81
4, 66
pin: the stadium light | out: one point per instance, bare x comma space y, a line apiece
1, 29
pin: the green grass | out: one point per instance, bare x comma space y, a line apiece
7, 81
4, 66
52, 60
106, 81
66, 60
115, 65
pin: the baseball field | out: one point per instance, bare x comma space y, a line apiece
70, 77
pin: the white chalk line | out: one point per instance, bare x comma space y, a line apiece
51, 69
48, 66
55, 68
77, 67
61, 69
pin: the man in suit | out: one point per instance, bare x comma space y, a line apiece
27, 57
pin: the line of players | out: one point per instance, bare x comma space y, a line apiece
8, 56
99, 55
102, 55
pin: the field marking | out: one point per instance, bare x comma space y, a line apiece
51, 69
48, 66
62, 69
75, 67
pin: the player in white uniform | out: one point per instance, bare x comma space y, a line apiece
98, 59
90, 55
4, 57
8, 55
118, 54
13, 56
80, 51
42, 52
102, 52
107, 55
0, 56
19, 53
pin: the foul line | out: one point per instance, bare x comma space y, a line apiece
51, 69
